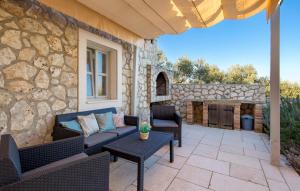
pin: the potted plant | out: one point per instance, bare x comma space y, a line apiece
144, 131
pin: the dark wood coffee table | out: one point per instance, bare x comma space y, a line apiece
136, 150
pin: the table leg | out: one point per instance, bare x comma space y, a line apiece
140, 178
115, 158
171, 151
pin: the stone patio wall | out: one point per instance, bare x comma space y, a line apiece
181, 93
38, 69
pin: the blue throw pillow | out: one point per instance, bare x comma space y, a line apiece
105, 121
74, 125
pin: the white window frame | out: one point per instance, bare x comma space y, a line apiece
84, 102
95, 74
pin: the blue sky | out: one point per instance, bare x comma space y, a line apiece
242, 42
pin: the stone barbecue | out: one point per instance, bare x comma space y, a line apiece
198, 112
194, 100
158, 84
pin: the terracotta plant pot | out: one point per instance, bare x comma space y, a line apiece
144, 136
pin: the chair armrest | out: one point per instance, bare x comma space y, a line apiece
178, 119
40, 155
90, 173
131, 120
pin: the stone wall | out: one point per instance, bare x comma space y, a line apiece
38, 69
146, 55
38, 62
127, 77
181, 93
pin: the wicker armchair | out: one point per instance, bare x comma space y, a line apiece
60, 165
165, 118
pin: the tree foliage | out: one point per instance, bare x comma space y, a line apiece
238, 74
206, 73
163, 61
199, 71
184, 70
289, 90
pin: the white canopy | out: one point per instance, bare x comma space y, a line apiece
148, 19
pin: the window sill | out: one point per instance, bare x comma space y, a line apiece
99, 104
91, 101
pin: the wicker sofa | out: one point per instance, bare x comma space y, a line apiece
60, 165
165, 118
93, 144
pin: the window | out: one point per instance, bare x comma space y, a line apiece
97, 74
100, 72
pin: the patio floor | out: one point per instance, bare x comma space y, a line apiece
210, 159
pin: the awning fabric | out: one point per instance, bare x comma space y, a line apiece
134, 19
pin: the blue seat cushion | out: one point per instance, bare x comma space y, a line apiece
123, 130
164, 123
98, 138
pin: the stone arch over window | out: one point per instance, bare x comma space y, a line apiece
162, 84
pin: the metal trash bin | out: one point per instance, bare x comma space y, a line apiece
247, 122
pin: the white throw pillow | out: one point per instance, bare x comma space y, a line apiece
88, 124
119, 120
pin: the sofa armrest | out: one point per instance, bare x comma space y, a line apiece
40, 155
178, 119
90, 173
60, 132
131, 120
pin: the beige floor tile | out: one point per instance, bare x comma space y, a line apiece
206, 151
162, 151
221, 182
277, 186
131, 188
151, 161
181, 185
271, 172
195, 133
123, 176
291, 178
209, 164
248, 174
251, 136
257, 154
233, 170
232, 149
158, 177
185, 150
256, 141
231, 140
190, 141
261, 148
195, 175
213, 140
114, 165
239, 159
249, 146
177, 163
